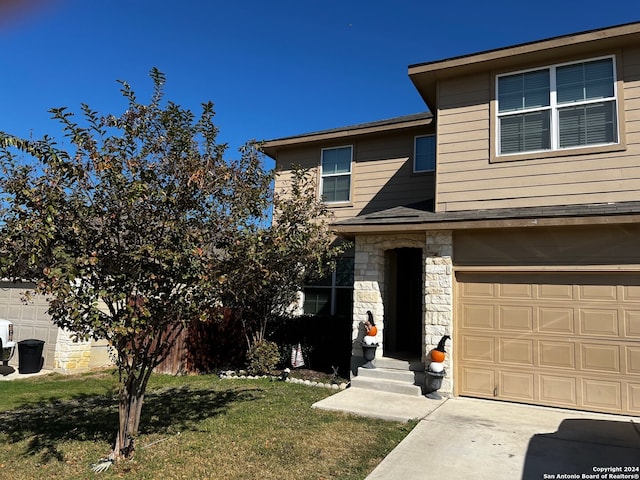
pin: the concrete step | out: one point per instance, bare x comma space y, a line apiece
391, 374
390, 386
395, 364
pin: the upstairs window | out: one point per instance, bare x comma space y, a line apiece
424, 153
558, 107
336, 174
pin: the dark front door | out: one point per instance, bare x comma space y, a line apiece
403, 303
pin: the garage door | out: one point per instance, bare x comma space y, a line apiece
569, 340
30, 320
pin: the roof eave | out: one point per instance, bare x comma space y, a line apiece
271, 147
426, 75
353, 229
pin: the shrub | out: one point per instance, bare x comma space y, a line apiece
263, 358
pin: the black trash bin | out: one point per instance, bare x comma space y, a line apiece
30, 355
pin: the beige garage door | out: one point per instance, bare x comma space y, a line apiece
569, 340
30, 321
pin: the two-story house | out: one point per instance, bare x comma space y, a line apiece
507, 217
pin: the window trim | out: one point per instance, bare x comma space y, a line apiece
555, 151
415, 144
323, 176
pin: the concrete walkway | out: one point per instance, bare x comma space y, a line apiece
462, 438
383, 405
11, 373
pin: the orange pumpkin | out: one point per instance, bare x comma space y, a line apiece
373, 331
438, 353
437, 356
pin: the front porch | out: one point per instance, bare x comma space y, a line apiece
406, 281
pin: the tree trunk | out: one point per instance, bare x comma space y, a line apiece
135, 370
129, 418
129, 411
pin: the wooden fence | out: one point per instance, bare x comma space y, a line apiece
204, 347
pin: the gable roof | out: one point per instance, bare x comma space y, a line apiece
271, 147
425, 76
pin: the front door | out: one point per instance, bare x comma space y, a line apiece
403, 303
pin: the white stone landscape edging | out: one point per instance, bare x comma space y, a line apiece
230, 374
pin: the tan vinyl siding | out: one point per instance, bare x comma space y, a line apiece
467, 179
307, 157
387, 183
304, 157
382, 172
578, 245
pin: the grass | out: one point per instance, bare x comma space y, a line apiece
194, 427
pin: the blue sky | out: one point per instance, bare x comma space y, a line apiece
273, 68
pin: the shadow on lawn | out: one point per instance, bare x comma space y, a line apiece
95, 417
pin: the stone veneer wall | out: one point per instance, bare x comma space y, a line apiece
369, 273
71, 356
438, 306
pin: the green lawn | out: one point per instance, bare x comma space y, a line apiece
194, 427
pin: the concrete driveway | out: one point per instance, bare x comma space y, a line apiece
465, 438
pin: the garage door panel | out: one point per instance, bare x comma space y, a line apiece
597, 292
631, 293
556, 320
633, 360
601, 394
555, 292
517, 385
519, 291
41, 333
633, 395
557, 390
600, 358
516, 351
516, 318
599, 322
557, 354
17, 312
632, 324
478, 290
478, 349
478, 381
478, 316
573, 340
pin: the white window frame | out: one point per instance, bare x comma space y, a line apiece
333, 175
415, 153
554, 107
